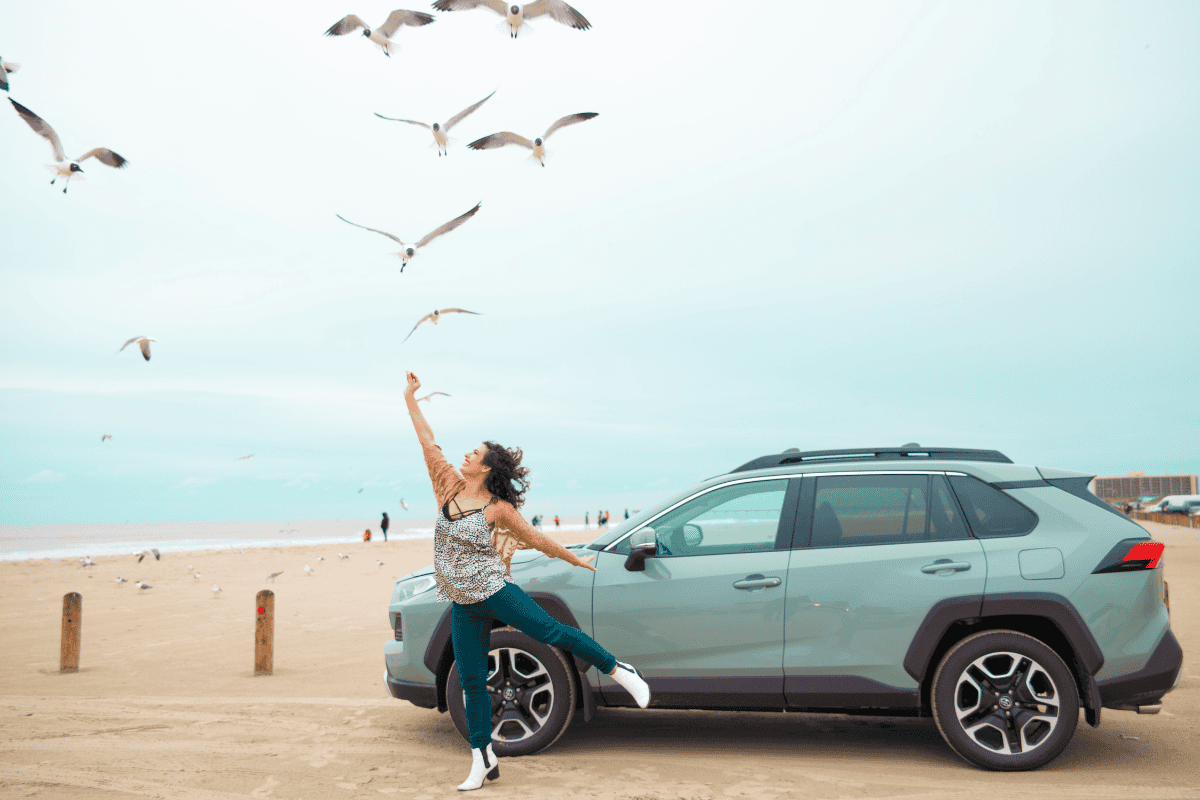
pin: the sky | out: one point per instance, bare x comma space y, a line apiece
811, 224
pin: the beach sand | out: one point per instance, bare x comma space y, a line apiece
166, 705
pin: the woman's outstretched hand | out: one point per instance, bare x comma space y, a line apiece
586, 563
413, 384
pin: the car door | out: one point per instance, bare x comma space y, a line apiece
704, 620
875, 552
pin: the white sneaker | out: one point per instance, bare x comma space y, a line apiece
483, 765
631, 679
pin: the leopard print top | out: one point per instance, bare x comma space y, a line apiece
467, 567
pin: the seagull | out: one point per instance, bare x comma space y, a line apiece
342, 555
216, 591
409, 250
382, 35
86, 561
243, 458
516, 15
274, 575
141, 585
440, 131
153, 551
121, 580
403, 504
360, 491
537, 145
196, 576
67, 170
435, 316
6, 69
320, 558
106, 436
143, 342
380, 563
431, 394
308, 569
190, 567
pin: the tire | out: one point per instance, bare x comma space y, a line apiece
987, 671
542, 701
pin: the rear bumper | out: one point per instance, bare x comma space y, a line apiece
1151, 682
419, 694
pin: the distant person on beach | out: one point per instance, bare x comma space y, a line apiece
585, 520
367, 535
383, 525
627, 513
556, 520
478, 529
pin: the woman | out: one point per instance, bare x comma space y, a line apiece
478, 530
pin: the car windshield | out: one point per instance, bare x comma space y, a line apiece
618, 531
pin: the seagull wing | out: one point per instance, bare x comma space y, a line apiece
131, 341
570, 119
145, 345
499, 140
401, 17
457, 118
499, 6
449, 226
373, 230
558, 11
345, 25
410, 333
456, 311
41, 128
104, 156
409, 121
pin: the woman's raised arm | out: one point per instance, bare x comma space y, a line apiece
424, 432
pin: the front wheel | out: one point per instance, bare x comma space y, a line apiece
531, 691
1005, 701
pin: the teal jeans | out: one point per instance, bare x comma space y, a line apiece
470, 631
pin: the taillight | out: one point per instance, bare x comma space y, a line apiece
1131, 555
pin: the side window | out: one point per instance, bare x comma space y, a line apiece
990, 512
883, 509
741, 518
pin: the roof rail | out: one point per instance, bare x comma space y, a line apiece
903, 452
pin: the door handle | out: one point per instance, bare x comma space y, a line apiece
756, 581
945, 563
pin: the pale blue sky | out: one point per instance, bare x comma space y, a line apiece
840, 224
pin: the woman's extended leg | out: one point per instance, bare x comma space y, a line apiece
513, 607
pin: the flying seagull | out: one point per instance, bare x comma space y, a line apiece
360, 491
407, 251
435, 316
274, 575
403, 504
516, 15
6, 69
243, 458
382, 35
143, 342
537, 145
440, 131
62, 168
106, 436
431, 394
153, 551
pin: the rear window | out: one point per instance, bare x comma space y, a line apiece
990, 512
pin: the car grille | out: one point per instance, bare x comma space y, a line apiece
399, 630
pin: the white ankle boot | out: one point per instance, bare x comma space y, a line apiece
483, 765
631, 679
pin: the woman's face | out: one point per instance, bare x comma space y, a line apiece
472, 463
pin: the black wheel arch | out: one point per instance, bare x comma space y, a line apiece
1046, 616
439, 653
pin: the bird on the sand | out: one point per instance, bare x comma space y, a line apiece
308, 570
516, 16
538, 145
153, 551
342, 555
320, 558
380, 563
216, 591
407, 251
143, 343
7, 68
382, 35
121, 580
141, 585
274, 575
431, 394
435, 315
62, 168
440, 131
196, 576
190, 567
86, 561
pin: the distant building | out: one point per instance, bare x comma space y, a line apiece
1139, 484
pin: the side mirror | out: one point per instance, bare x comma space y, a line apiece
642, 545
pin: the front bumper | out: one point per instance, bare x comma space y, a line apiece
1147, 685
419, 694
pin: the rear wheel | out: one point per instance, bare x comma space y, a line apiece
531, 691
1005, 701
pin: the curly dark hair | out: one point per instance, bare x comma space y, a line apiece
506, 470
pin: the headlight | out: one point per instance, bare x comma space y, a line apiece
413, 587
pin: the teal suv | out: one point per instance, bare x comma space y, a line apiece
997, 598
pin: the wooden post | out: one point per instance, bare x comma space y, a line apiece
72, 622
264, 633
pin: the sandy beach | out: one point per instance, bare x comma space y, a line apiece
166, 705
